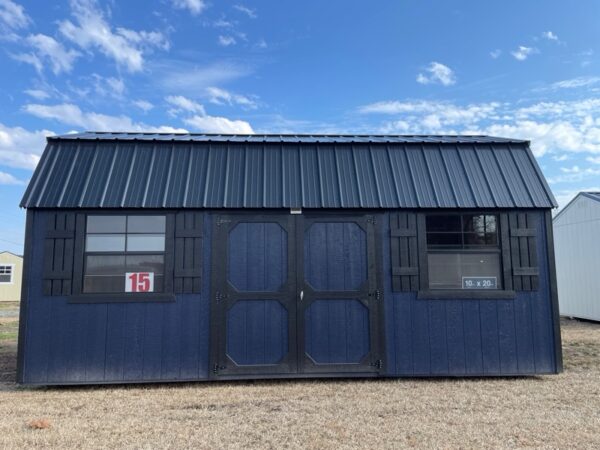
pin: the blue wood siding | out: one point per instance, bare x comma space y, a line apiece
454, 337
87, 343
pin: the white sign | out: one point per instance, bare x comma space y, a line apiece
479, 283
139, 282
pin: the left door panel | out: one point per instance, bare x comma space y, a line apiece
253, 291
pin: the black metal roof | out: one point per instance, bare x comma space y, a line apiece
155, 170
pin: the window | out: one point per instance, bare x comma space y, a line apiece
124, 254
6, 274
463, 251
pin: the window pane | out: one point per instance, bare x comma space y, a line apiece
5, 269
146, 224
105, 265
5, 278
145, 242
444, 240
146, 263
475, 239
474, 223
105, 243
490, 224
443, 223
447, 269
106, 224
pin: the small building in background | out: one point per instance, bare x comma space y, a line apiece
11, 266
577, 238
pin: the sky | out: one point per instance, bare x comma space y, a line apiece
520, 69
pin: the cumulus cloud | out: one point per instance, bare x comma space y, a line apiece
38, 94
193, 6
248, 11
522, 53
180, 104
7, 178
550, 36
72, 115
48, 49
495, 54
91, 31
21, 148
144, 105
437, 73
226, 41
220, 96
12, 16
221, 125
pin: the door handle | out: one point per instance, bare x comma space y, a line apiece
301, 295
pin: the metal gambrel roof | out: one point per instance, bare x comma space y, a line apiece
130, 170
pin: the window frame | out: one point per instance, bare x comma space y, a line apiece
12, 273
79, 296
425, 292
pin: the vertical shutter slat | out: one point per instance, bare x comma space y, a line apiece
59, 253
188, 252
523, 249
403, 246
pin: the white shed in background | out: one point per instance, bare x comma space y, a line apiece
577, 246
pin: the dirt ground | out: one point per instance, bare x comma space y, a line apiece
543, 412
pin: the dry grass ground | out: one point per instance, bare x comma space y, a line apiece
551, 411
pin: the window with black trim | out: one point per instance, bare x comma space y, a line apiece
463, 251
124, 253
6, 274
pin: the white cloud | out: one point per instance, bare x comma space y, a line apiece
38, 94
193, 6
21, 148
49, 49
70, 114
437, 73
220, 96
144, 105
108, 86
13, 16
244, 9
92, 32
495, 54
226, 41
560, 158
183, 104
550, 36
593, 159
212, 124
29, 58
222, 23
7, 178
522, 53
575, 83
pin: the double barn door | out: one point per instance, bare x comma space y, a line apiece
295, 294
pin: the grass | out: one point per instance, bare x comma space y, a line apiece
9, 328
540, 412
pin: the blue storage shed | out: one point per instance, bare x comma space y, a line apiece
182, 257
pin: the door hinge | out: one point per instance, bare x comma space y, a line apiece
378, 364
219, 296
217, 368
376, 294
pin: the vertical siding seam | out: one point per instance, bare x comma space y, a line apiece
89, 176
226, 177
412, 177
503, 176
48, 175
264, 176
339, 177
150, 169
358, 188
133, 158
467, 180
428, 169
110, 174
302, 176
457, 202
207, 173
169, 171
375, 177
105, 343
498, 335
187, 178
486, 177
480, 335
394, 181
523, 178
319, 177
68, 177
246, 168
464, 334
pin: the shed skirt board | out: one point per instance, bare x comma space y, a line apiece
294, 295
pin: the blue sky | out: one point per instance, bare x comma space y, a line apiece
512, 68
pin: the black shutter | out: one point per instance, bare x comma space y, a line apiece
523, 250
405, 255
188, 252
58, 253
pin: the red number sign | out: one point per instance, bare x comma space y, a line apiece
139, 282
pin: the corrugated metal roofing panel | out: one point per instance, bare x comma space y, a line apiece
115, 170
